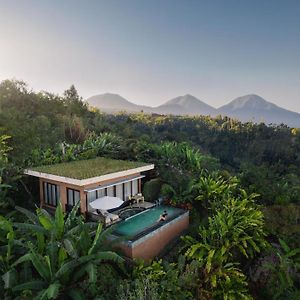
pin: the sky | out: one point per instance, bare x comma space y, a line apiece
155, 50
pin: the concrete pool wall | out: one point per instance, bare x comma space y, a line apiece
151, 244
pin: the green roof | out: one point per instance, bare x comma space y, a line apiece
84, 169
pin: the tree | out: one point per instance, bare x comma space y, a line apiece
5, 181
73, 102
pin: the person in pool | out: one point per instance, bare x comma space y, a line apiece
163, 216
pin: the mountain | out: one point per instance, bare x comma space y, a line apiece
114, 103
246, 108
186, 105
255, 108
183, 105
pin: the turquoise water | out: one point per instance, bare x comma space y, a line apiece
144, 220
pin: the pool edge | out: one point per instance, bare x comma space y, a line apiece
154, 242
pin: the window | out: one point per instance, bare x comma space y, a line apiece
73, 196
51, 194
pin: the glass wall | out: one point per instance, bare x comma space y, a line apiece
91, 196
135, 189
110, 191
120, 190
127, 190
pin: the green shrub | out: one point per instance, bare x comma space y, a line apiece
152, 189
283, 221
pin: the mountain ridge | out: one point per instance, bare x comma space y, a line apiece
256, 109
113, 103
246, 108
191, 104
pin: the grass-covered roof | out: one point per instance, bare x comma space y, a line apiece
84, 169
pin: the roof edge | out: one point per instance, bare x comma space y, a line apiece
88, 181
53, 177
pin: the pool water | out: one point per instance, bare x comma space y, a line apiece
144, 220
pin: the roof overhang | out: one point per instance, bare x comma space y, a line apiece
89, 181
113, 183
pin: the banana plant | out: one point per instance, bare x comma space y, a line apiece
62, 252
7, 238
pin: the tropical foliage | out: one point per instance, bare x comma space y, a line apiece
235, 228
49, 257
284, 272
239, 181
157, 281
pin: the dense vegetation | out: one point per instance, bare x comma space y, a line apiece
241, 183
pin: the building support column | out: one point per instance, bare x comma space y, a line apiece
140, 185
63, 196
83, 202
42, 200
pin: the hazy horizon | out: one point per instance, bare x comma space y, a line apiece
203, 100
150, 52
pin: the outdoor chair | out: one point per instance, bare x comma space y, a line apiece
107, 218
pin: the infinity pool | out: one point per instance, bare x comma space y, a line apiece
140, 222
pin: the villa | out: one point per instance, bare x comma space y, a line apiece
88, 180
110, 191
